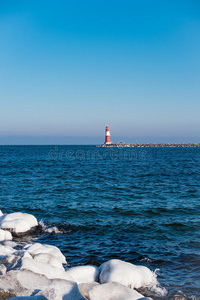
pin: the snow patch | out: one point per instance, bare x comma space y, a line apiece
6, 250
18, 222
37, 248
44, 269
84, 274
5, 235
114, 290
127, 274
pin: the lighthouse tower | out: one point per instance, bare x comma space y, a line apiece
107, 136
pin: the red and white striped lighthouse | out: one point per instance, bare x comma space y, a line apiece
107, 135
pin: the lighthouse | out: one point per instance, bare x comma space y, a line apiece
107, 136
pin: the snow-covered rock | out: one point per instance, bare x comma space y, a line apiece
48, 259
10, 244
61, 289
18, 222
38, 248
39, 297
57, 287
127, 274
5, 235
84, 288
3, 269
9, 283
114, 291
6, 250
84, 274
28, 283
44, 269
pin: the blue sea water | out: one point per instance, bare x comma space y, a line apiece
139, 205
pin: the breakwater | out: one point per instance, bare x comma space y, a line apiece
140, 145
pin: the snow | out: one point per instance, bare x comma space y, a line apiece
36, 271
5, 235
44, 268
84, 288
84, 274
6, 250
127, 274
3, 269
10, 244
17, 222
62, 289
113, 290
26, 283
40, 297
37, 248
9, 283
48, 259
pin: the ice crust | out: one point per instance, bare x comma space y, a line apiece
46, 249
114, 290
5, 235
38, 271
129, 275
84, 274
17, 222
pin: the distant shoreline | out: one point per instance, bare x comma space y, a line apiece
148, 145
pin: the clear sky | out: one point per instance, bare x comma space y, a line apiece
70, 67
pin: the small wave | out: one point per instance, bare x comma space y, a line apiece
49, 228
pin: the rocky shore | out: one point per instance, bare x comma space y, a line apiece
40, 271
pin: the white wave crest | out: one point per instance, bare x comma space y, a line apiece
49, 229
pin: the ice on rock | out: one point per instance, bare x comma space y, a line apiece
27, 283
5, 235
3, 269
38, 248
10, 283
84, 288
40, 297
18, 222
114, 290
10, 244
127, 274
84, 274
6, 250
44, 268
48, 259
61, 289
50, 288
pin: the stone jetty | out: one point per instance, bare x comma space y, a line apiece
155, 145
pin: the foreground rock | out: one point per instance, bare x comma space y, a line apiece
17, 223
84, 274
129, 275
84, 288
29, 298
113, 291
5, 235
37, 248
28, 283
37, 271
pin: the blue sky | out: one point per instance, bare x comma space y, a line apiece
68, 68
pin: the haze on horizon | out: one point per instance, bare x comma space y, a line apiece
69, 68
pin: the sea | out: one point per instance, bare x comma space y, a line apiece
140, 205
